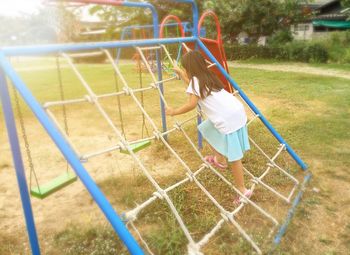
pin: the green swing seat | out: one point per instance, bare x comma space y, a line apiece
137, 147
67, 178
51, 187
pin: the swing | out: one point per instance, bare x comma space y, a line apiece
135, 147
63, 180
54, 185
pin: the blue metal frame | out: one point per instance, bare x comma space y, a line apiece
66, 151
291, 211
126, 30
7, 70
57, 137
18, 162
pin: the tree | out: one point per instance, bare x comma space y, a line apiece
256, 18
49, 25
65, 22
346, 4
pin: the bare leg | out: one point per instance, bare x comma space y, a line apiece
237, 171
236, 167
220, 158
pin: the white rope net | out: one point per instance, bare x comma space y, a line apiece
280, 190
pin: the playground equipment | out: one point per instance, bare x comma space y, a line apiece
139, 32
63, 180
216, 47
75, 158
142, 32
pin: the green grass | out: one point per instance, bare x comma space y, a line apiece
311, 112
332, 66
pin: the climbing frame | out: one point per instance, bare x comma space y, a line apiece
132, 147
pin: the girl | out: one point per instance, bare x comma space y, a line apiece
225, 128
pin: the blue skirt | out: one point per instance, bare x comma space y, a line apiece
232, 145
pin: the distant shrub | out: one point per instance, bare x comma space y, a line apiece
241, 52
280, 37
337, 45
294, 51
92, 59
317, 53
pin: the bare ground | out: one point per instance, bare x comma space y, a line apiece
294, 68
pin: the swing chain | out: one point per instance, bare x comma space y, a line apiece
25, 138
64, 110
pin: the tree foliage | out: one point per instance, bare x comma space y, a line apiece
256, 18
49, 25
345, 3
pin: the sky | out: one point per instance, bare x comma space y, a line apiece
15, 8
18, 7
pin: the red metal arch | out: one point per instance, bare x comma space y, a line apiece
216, 46
168, 18
217, 23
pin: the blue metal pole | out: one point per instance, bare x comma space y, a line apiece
129, 28
159, 71
140, 5
56, 48
18, 162
199, 135
195, 14
291, 211
122, 36
70, 156
252, 106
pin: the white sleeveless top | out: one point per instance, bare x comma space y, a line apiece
222, 108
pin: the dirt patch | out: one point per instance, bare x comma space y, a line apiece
294, 68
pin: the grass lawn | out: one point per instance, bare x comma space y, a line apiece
334, 66
312, 114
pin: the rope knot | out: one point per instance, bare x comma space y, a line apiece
154, 85
255, 180
177, 125
225, 216
122, 147
199, 112
193, 249
157, 134
91, 99
160, 194
190, 176
271, 164
129, 216
126, 90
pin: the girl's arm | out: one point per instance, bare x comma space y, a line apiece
182, 74
189, 106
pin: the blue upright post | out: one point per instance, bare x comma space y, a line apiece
159, 63
18, 162
122, 37
159, 71
252, 106
194, 16
196, 35
199, 135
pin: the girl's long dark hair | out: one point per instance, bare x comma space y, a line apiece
195, 66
